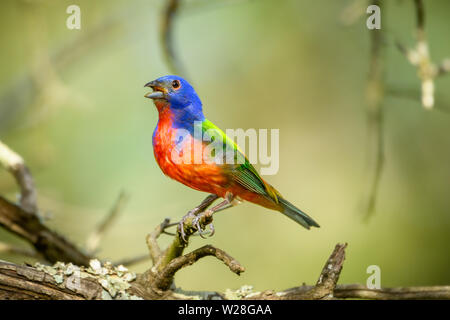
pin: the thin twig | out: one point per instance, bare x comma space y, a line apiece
330, 274
375, 116
94, 239
324, 288
152, 241
166, 35
14, 163
358, 291
164, 279
420, 58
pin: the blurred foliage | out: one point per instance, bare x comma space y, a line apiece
71, 103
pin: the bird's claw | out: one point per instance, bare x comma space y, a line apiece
208, 217
212, 230
190, 214
196, 223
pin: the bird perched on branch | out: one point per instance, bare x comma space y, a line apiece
183, 150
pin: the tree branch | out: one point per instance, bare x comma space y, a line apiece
329, 276
14, 163
358, 291
152, 241
57, 282
22, 282
164, 279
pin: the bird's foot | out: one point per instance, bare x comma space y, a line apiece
204, 218
195, 220
187, 222
190, 216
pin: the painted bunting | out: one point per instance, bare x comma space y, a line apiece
180, 110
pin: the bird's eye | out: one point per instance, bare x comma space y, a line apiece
176, 84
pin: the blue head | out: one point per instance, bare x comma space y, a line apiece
177, 94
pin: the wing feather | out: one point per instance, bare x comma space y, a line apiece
242, 173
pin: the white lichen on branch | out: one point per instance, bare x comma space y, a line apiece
419, 57
115, 280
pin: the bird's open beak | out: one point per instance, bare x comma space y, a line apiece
159, 92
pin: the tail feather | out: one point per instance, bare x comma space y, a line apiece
296, 214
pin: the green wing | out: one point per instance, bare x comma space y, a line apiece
241, 170
244, 173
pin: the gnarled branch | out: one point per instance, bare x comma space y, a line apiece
164, 279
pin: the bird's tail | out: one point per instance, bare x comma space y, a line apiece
296, 214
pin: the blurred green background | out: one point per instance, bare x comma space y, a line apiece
72, 105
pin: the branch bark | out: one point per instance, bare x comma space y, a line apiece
23, 282
329, 276
358, 291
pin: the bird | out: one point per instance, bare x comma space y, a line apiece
180, 110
